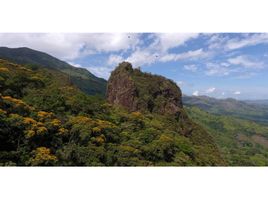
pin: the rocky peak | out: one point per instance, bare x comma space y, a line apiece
139, 91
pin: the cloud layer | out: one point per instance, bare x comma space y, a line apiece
192, 58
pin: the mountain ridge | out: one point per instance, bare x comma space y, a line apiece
229, 106
81, 77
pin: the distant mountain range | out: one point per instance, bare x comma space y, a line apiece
251, 110
80, 77
263, 102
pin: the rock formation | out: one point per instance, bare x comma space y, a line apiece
135, 90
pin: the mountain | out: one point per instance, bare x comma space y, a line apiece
241, 142
142, 91
232, 107
263, 102
159, 97
47, 121
80, 77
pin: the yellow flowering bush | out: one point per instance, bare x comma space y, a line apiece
3, 69
33, 127
17, 105
62, 131
42, 115
43, 155
136, 114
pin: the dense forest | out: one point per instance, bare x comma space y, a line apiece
48, 119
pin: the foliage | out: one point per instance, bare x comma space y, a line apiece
48, 121
242, 142
34, 60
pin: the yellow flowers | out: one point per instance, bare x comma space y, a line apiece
42, 156
102, 124
43, 115
41, 130
13, 100
136, 114
96, 130
81, 120
62, 131
2, 112
28, 120
30, 133
100, 139
16, 103
55, 122
165, 138
33, 127
3, 69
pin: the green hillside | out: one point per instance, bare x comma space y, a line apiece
231, 107
81, 77
46, 120
242, 142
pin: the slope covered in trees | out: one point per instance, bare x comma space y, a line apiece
257, 112
47, 120
242, 142
80, 77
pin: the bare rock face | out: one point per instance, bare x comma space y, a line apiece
135, 90
121, 89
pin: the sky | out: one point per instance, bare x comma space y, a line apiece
220, 65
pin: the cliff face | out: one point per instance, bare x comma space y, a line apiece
136, 90
157, 96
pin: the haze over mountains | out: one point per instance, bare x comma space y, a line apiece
252, 110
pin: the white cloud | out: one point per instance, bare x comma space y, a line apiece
71, 45
185, 55
217, 69
158, 49
180, 83
103, 72
245, 62
75, 64
210, 90
248, 40
166, 41
217, 41
141, 57
115, 59
184, 84
192, 68
225, 64
237, 92
196, 93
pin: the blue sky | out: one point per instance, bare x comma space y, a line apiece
220, 65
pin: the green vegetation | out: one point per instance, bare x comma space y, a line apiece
241, 109
242, 142
46, 120
80, 77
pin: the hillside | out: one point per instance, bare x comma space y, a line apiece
80, 77
242, 142
46, 120
232, 107
263, 102
157, 96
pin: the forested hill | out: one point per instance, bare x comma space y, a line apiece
241, 109
46, 120
80, 77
